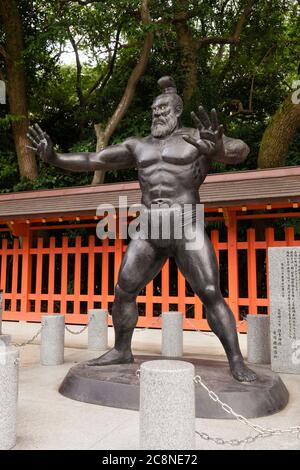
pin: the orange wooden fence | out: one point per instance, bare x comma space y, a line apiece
73, 274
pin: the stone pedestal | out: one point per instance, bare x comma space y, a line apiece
167, 405
9, 372
52, 340
118, 386
97, 329
284, 293
258, 339
172, 334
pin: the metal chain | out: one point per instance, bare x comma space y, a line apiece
207, 333
262, 431
153, 323
136, 331
232, 442
80, 331
219, 440
40, 329
20, 345
188, 321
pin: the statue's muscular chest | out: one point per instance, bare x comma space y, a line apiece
165, 153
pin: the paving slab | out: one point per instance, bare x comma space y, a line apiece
47, 420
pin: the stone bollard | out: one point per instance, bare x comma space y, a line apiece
52, 340
258, 339
9, 373
172, 334
167, 405
97, 329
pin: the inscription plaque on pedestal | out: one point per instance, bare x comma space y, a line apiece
284, 294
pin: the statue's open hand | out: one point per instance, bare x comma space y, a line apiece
41, 143
210, 133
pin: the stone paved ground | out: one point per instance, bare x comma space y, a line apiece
47, 420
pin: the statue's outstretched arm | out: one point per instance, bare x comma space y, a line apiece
115, 157
212, 141
236, 151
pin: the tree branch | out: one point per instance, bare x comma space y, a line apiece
184, 16
78, 68
243, 18
103, 135
80, 2
236, 36
190, 45
103, 79
3, 52
135, 74
237, 103
217, 40
57, 56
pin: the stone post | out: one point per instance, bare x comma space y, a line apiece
167, 405
172, 334
52, 340
9, 374
258, 339
97, 329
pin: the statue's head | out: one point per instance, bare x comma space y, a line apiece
166, 109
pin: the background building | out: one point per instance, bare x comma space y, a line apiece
52, 261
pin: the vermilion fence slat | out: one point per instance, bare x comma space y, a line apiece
33, 294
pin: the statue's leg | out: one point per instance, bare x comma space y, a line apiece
201, 270
140, 264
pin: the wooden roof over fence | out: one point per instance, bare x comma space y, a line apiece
219, 190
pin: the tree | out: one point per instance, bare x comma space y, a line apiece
185, 21
105, 133
101, 34
12, 52
243, 61
278, 134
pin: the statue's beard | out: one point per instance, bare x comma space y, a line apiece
163, 126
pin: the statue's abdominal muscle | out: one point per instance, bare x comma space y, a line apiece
174, 172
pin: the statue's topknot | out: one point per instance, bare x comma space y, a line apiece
167, 85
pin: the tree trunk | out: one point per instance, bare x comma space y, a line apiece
17, 86
277, 136
102, 142
189, 60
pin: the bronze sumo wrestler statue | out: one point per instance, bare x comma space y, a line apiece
172, 163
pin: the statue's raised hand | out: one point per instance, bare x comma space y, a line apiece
210, 140
41, 143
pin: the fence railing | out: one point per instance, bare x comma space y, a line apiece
59, 274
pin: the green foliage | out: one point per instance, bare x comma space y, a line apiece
9, 174
8, 119
264, 61
282, 223
50, 177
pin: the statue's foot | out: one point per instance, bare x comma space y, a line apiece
241, 372
112, 357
